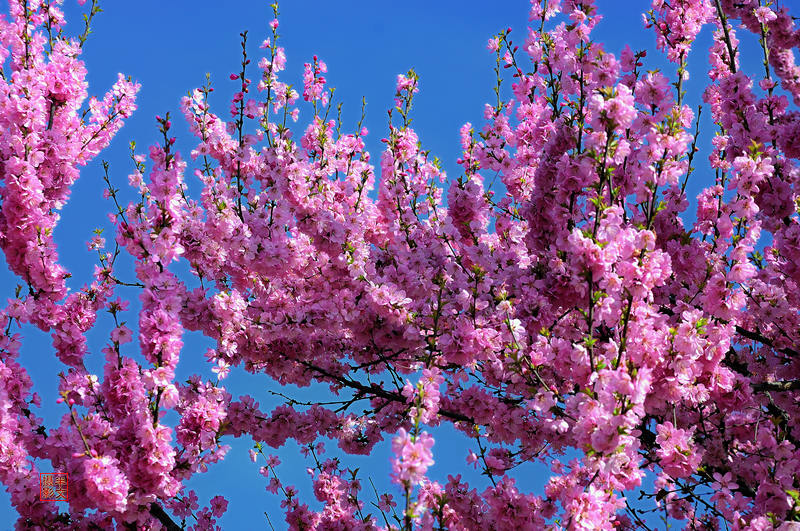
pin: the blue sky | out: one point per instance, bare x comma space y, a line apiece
169, 46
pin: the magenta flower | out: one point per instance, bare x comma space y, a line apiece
412, 457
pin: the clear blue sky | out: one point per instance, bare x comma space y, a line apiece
169, 46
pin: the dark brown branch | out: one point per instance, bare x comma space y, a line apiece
749, 334
381, 392
723, 22
755, 336
792, 385
161, 515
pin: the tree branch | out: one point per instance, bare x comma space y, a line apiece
791, 385
749, 334
381, 392
755, 336
161, 515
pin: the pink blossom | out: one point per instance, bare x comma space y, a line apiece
412, 457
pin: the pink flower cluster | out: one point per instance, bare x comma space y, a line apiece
574, 312
412, 459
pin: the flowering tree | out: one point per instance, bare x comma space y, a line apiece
572, 314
